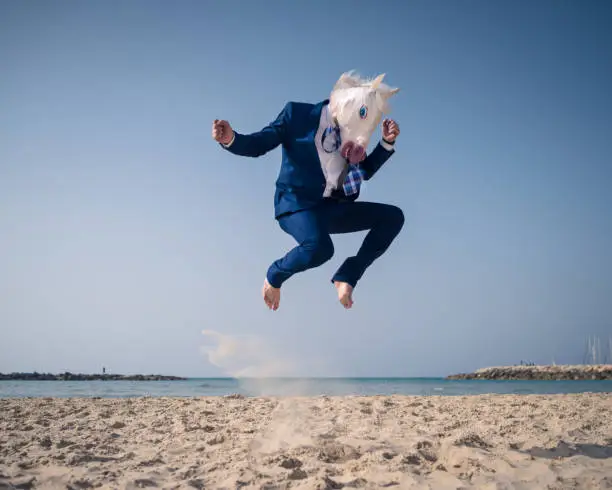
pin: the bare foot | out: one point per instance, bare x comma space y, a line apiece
271, 295
345, 293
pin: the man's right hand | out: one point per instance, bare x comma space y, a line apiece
222, 132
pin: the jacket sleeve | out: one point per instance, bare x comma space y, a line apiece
261, 142
372, 163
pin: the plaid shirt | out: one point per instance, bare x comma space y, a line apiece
353, 180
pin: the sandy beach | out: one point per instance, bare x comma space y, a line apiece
485, 442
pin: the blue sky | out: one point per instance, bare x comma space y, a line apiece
126, 231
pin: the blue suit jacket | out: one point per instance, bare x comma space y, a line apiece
300, 182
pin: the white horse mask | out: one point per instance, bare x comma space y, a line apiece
357, 106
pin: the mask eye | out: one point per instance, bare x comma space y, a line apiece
363, 112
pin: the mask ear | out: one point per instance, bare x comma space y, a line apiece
377, 81
388, 92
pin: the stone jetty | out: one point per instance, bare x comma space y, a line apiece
86, 377
546, 372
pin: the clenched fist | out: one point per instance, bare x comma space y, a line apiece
390, 130
222, 131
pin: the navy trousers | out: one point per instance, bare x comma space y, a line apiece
312, 227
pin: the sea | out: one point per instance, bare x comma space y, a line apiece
203, 387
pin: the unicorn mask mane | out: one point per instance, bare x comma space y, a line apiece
357, 105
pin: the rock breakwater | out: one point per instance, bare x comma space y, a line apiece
552, 372
86, 377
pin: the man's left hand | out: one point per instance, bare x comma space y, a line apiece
390, 130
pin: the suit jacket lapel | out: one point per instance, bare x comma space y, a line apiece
313, 123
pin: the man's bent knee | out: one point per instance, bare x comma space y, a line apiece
395, 216
319, 250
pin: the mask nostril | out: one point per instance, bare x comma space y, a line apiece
358, 153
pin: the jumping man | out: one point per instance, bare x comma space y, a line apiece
323, 164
